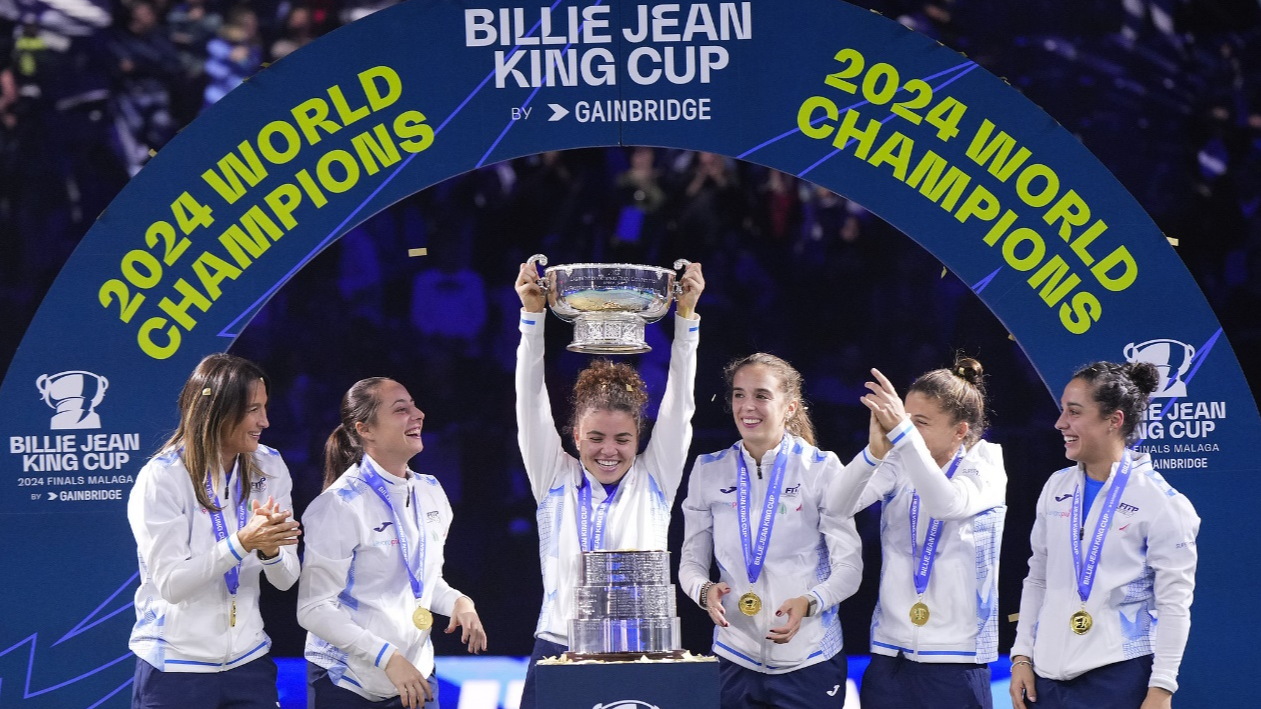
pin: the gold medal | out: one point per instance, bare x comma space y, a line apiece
232, 614
919, 613
422, 618
1081, 622
750, 604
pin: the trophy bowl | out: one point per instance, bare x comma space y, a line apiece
609, 303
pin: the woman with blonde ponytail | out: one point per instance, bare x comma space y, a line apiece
210, 512
372, 572
785, 559
943, 492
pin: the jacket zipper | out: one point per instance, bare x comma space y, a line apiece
764, 629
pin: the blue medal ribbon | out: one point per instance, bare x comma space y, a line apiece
924, 569
1086, 571
381, 488
755, 550
233, 576
591, 525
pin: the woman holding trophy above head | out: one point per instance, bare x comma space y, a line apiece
942, 492
785, 558
610, 496
372, 572
1106, 607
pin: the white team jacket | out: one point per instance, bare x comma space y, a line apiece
813, 549
182, 604
1146, 574
640, 515
355, 597
962, 593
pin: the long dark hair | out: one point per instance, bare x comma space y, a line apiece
344, 448
960, 391
790, 382
215, 397
1121, 387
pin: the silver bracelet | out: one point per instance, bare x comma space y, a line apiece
1022, 662
704, 599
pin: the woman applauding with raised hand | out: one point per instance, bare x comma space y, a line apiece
942, 491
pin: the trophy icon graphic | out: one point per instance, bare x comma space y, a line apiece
609, 303
74, 395
1170, 357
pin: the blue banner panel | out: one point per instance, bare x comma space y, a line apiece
244, 197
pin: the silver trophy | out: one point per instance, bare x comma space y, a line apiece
609, 303
624, 607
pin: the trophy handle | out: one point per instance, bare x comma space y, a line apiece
680, 264
541, 260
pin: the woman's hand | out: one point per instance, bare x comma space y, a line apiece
464, 615
795, 609
1022, 683
876, 440
528, 290
268, 529
887, 412
713, 604
1157, 698
692, 282
412, 687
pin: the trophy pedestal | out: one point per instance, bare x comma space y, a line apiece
624, 604
609, 333
683, 684
655, 637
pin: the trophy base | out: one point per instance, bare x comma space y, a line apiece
634, 636
609, 333
625, 656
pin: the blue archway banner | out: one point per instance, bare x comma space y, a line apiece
218, 221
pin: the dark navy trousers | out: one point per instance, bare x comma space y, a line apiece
1121, 685
899, 683
250, 686
819, 686
323, 694
542, 648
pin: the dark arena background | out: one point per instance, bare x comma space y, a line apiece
841, 223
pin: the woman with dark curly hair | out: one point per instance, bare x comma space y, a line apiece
610, 496
1113, 552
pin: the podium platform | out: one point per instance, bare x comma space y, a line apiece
681, 684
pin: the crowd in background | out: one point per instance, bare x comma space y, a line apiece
1167, 93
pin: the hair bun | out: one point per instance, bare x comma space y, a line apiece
969, 370
606, 379
1144, 375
